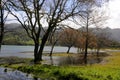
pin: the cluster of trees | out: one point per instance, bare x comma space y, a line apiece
77, 37
34, 14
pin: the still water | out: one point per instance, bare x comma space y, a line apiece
27, 51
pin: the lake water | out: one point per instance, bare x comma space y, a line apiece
27, 51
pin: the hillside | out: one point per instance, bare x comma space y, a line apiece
115, 34
15, 34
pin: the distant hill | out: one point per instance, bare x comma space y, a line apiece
16, 33
12, 26
114, 33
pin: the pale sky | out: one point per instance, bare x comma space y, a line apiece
113, 10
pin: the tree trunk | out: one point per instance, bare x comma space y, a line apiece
1, 25
44, 39
51, 60
68, 49
36, 53
86, 51
1, 39
86, 41
98, 49
52, 48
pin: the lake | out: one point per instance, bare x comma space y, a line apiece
27, 51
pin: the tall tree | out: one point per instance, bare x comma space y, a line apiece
2, 20
89, 17
102, 39
34, 14
54, 38
1, 23
86, 23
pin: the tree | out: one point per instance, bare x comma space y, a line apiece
80, 42
102, 35
92, 41
68, 38
86, 22
33, 14
2, 21
102, 39
88, 18
29, 11
54, 38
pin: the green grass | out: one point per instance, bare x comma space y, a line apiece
107, 70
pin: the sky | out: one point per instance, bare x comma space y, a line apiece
113, 11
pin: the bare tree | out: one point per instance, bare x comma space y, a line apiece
35, 11
102, 39
89, 18
29, 16
102, 36
54, 38
86, 22
2, 21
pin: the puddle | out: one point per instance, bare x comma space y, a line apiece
9, 74
69, 60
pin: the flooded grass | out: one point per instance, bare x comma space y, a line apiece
6, 61
108, 69
64, 59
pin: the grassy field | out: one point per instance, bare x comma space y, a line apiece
109, 69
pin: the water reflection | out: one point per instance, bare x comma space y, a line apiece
51, 59
70, 60
5, 70
78, 61
35, 78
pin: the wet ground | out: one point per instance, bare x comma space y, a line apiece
9, 74
70, 60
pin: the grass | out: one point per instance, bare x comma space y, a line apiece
59, 54
107, 70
